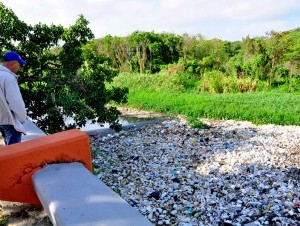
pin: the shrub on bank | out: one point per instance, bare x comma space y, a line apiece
160, 82
218, 82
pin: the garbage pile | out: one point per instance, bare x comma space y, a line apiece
232, 173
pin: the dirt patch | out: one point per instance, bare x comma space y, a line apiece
20, 214
131, 112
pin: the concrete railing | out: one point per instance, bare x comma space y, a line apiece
55, 171
32, 131
73, 196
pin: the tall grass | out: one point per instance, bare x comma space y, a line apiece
218, 82
160, 82
170, 97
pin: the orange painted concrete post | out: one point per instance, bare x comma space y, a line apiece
19, 161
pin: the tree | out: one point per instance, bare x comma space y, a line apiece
152, 51
62, 78
277, 46
117, 49
140, 51
292, 56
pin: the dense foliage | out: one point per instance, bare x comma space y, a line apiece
62, 77
232, 71
248, 65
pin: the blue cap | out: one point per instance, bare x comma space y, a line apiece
10, 56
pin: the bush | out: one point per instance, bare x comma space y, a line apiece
218, 82
159, 82
212, 82
291, 86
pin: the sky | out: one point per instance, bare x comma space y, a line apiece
224, 19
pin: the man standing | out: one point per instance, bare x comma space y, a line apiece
12, 108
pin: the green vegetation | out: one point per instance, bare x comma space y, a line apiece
62, 77
273, 106
255, 79
3, 222
251, 64
70, 74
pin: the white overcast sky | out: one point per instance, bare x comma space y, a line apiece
225, 19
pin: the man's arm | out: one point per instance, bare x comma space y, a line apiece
15, 100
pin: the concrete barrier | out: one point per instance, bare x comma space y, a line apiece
32, 131
55, 171
19, 161
73, 196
